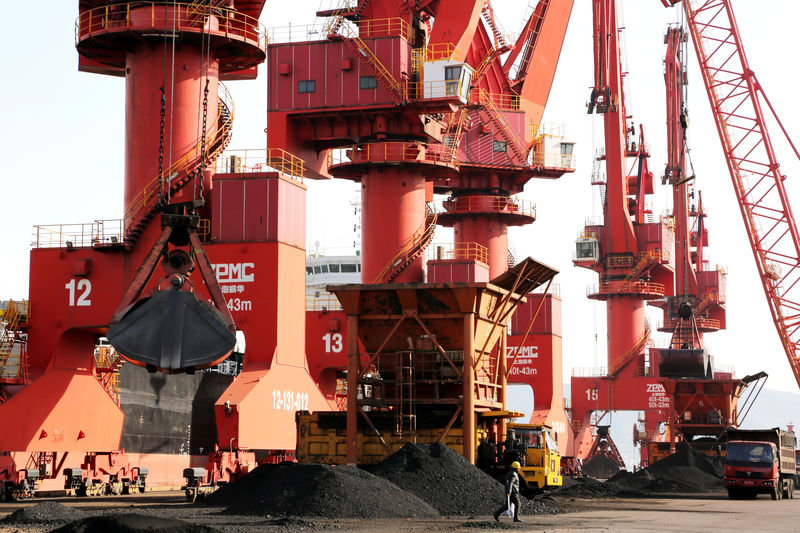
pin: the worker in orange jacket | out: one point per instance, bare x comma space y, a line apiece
512, 493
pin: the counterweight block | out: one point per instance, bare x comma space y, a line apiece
172, 331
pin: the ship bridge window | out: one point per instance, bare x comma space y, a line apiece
309, 270
359, 267
334, 267
306, 86
324, 269
367, 82
349, 267
317, 269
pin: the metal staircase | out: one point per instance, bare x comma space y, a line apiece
181, 172
512, 256
705, 302
535, 23
339, 28
501, 45
415, 248
13, 345
452, 138
483, 67
632, 353
646, 262
508, 133
107, 366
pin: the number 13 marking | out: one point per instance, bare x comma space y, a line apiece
333, 343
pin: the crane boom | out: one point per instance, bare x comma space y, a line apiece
735, 97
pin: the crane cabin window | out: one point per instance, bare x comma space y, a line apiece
452, 77
306, 86
499, 146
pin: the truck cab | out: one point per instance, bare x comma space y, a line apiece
535, 448
753, 467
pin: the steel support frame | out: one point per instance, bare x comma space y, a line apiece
733, 93
355, 372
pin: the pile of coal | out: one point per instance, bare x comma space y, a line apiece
686, 456
600, 467
685, 471
315, 490
42, 513
448, 482
132, 523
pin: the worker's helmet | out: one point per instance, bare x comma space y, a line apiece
516, 464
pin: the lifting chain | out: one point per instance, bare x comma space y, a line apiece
161, 147
203, 140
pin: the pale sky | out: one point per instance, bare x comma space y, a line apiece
63, 152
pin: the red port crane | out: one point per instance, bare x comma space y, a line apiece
629, 251
736, 99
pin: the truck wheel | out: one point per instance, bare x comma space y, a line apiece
791, 489
776, 493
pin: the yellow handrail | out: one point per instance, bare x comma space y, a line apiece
619, 287
453, 137
13, 317
460, 250
483, 67
505, 129
635, 350
390, 152
493, 204
648, 258
131, 16
261, 160
189, 161
440, 51
415, 245
388, 27
382, 74
506, 102
329, 302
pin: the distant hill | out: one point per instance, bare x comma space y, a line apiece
774, 408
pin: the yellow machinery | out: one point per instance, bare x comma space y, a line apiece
321, 438
536, 450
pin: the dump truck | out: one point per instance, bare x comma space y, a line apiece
760, 461
321, 439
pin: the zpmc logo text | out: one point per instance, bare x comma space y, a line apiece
527, 351
234, 272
